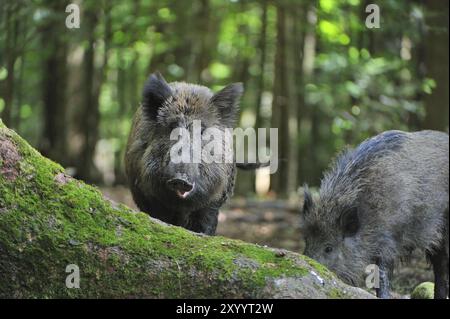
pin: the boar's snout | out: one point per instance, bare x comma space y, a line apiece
181, 186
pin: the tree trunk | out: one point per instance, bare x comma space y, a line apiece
245, 179
206, 41
86, 168
12, 24
302, 114
292, 102
310, 163
436, 55
19, 96
54, 141
262, 45
119, 172
49, 221
93, 80
202, 44
280, 114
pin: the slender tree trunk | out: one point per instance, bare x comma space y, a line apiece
12, 25
204, 39
124, 106
93, 80
16, 119
292, 102
280, 108
309, 53
86, 169
245, 179
437, 52
54, 141
262, 45
302, 114
184, 30
418, 54
128, 88
203, 43
262, 64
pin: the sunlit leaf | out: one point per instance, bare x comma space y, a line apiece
328, 5
428, 85
25, 111
3, 73
220, 70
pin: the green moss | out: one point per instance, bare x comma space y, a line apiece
55, 223
321, 270
335, 293
423, 291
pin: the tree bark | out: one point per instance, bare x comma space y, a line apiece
11, 54
93, 80
436, 56
121, 81
54, 140
299, 33
262, 46
311, 171
49, 221
292, 102
280, 110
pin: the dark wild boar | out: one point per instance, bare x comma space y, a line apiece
183, 194
379, 202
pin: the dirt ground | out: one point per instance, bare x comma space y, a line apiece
275, 224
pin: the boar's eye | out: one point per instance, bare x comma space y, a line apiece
328, 249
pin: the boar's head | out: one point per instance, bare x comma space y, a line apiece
333, 236
167, 111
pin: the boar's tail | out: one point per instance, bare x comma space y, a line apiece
251, 166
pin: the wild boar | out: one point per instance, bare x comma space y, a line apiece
379, 202
184, 194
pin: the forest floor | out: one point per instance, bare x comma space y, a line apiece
275, 224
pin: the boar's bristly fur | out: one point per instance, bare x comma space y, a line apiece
183, 194
379, 202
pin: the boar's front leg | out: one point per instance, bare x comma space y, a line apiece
204, 221
384, 282
439, 260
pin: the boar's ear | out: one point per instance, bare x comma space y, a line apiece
350, 222
156, 92
227, 102
308, 203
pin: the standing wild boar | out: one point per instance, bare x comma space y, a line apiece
183, 194
379, 202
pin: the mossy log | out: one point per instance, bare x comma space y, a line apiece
49, 220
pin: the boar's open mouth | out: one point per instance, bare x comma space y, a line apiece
183, 194
181, 187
